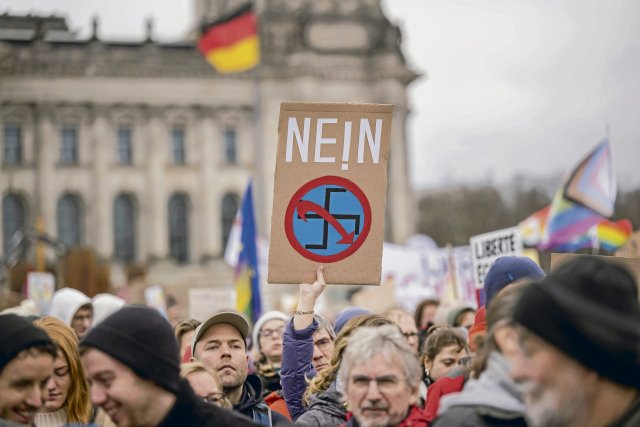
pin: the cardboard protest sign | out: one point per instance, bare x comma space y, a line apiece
330, 192
486, 248
632, 264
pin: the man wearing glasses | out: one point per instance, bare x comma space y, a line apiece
380, 376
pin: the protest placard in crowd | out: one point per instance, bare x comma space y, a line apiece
330, 192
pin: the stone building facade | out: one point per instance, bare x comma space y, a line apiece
141, 151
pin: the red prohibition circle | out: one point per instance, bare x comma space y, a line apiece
327, 180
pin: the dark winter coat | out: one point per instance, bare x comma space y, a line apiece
252, 406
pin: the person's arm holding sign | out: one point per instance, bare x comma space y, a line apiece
298, 346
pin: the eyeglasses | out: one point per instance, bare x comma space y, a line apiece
213, 398
384, 384
323, 343
269, 332
465, 361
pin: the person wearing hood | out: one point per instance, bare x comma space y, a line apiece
132, 366
104, 305
491, 397
219, 343
74, 308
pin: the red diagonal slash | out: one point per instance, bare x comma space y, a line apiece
305, 206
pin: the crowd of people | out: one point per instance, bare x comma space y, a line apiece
545, 350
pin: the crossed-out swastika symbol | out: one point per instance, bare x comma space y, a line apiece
337, 216
345, 219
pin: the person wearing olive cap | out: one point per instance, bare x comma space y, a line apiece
579, 338
131, 362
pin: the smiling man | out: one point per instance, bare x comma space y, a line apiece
381, 377
220, 344
26, 363
131, 362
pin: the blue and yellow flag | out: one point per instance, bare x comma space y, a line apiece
247, 279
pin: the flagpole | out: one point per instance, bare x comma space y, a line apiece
258, 151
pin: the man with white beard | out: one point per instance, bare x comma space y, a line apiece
579, 336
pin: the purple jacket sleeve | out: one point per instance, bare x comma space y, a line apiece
296, 368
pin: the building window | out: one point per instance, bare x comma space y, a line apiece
69, 216
178, 145
13, 218
230, 203
124, 228
125, 145
179, 228
69, 146
12, 144
230, 149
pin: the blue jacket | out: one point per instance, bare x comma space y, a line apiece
296, 368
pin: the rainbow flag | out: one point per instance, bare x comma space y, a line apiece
612, 235
532, 228
247, 279
231, 44
586, 198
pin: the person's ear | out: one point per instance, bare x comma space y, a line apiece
426, 363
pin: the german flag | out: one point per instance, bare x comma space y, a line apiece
231, 44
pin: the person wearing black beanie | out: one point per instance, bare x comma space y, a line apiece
132, 363
26, 362
580, 346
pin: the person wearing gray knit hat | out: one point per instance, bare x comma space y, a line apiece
267, 342
579, 337
132, 364
26, 362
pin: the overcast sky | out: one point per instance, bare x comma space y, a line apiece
509, 86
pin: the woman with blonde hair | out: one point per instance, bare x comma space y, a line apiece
66, 394
205, 383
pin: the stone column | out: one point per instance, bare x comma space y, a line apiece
207, 240
100, 222
47, 153
152, 214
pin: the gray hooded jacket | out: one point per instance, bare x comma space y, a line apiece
325, 409
491, 400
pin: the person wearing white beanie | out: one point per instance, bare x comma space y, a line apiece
267, 342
